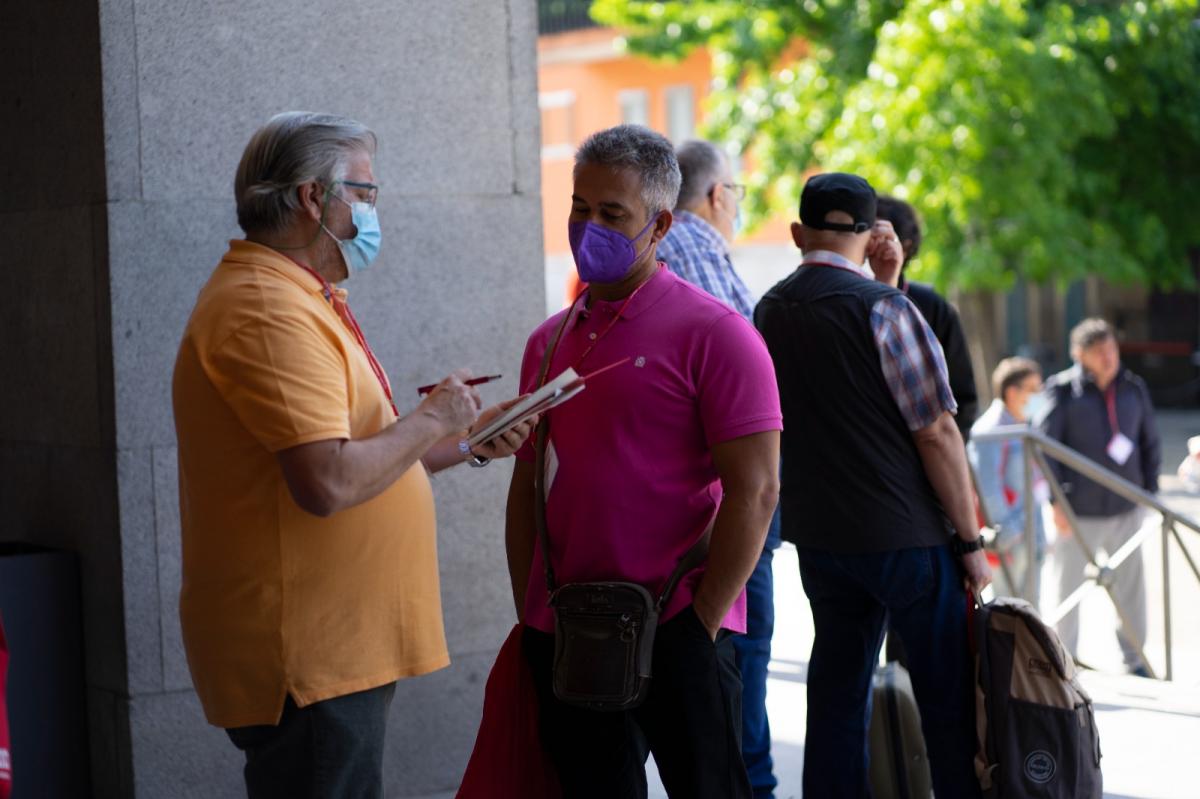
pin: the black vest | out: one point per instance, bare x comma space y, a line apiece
852, 477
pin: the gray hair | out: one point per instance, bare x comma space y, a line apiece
701, 164
292, 149
640, 150
1090, 332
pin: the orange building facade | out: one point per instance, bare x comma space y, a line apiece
587, 83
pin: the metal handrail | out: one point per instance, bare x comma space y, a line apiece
1099, 575
1085, 466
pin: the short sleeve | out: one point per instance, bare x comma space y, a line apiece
735, 381
530, 364
913, 363
285, 380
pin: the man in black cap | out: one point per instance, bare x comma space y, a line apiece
937, 310
876, 495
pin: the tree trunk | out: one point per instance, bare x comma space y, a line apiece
983, 325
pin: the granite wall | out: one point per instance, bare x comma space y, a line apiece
123, 127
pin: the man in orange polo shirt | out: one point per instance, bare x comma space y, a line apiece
310, 581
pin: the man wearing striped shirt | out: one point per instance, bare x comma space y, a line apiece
697, 249
875, 491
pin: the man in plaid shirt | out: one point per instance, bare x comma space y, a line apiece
875, 492
706, 219
697, 249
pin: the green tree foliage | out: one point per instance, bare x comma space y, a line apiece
1047, 138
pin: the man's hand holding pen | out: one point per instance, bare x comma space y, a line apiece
456, 403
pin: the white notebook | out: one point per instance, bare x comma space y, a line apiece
555, 392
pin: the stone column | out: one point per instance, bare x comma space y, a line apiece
131, 116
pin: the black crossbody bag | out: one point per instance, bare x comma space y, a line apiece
603, 631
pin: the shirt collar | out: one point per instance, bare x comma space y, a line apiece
826, 257
700, 227
1006, 416
647, 294
253, 254
1081, 378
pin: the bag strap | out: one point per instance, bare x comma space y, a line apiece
541, 433
690, 559
980, 645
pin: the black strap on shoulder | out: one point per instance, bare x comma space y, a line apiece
690, 560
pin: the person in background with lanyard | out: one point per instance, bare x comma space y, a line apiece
636, 469
310, 576
1102, 410
1000, 469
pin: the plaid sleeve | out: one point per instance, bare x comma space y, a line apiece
678, 249
913, 362
704, 263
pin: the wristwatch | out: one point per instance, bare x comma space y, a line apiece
960, 547
475, 460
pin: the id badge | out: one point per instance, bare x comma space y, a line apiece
1041, 491
1120, 448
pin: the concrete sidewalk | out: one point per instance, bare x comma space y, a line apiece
1149, 730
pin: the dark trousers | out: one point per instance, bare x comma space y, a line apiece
852, 598
326, 750
690, 721
753, 657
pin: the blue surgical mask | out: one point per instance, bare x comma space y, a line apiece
360, 251
737, 221
1034, 406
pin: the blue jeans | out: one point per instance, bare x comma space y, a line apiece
852, 598
753, 656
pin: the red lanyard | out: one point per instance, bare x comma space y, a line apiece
342, 309
1110, 399
595, 337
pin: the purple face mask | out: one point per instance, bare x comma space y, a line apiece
602, 255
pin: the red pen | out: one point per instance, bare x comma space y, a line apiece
474, 381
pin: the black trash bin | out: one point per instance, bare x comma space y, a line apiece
47, 711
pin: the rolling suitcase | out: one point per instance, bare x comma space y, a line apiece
899, 763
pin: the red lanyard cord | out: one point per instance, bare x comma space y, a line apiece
1110, 400
597, 337
342, 309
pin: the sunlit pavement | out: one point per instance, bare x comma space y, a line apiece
1149, 730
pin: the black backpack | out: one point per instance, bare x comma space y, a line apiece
1037, 732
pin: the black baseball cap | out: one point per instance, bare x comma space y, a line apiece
838, 191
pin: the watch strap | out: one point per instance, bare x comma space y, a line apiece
962, 547
464, 447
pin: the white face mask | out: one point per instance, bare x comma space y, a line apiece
1034, 406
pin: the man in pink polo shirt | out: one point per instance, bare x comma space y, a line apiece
637, 467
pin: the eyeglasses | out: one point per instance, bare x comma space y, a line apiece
366, 192
738, 189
